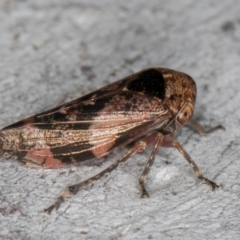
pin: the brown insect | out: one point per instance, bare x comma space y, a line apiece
145, 108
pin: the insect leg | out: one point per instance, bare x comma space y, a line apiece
139, 146
195, 125
170, 142
158, 142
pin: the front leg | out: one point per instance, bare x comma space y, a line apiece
170, 142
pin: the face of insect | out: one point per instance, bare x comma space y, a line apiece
180, 96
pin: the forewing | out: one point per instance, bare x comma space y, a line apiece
88, 127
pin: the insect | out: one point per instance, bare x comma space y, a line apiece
146, 108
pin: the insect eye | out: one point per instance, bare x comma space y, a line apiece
185, 114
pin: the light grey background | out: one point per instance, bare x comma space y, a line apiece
52, 51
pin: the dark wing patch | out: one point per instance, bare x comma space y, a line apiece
150, 82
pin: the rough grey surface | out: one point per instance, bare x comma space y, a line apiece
53, 51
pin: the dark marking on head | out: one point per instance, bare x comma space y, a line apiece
150, 82
172, 97
184, 85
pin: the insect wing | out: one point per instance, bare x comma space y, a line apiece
87, 128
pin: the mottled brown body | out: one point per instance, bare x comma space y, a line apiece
144, 108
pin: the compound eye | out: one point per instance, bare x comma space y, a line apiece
185, 114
